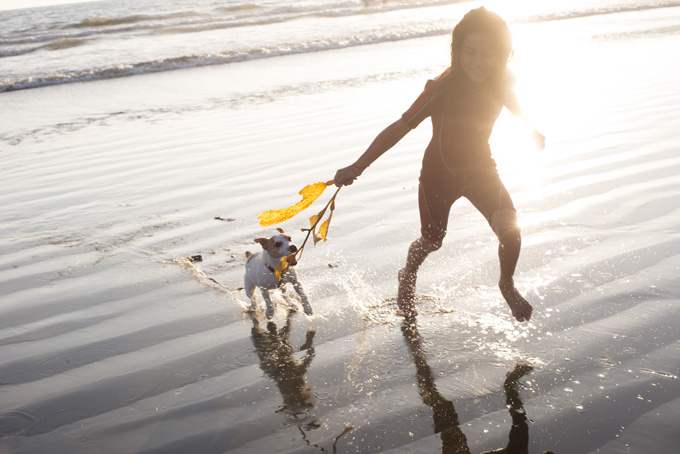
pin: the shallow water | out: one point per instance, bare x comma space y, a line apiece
111, 342
112, 39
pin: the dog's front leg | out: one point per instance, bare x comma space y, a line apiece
268, 302
250, 293
300, 291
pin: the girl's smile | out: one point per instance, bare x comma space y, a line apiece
478, 58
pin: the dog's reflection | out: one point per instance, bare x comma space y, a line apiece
445, 417
278, 362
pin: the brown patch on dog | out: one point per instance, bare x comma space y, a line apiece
268, 244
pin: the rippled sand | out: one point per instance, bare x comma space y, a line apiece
111, 342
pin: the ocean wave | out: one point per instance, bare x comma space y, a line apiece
31, 39
176, 22
57, 44
68, 33
108, 21
251, 15
286, 13
598, 11
17, 51
244, 7
346, 8
113, 21
221, 25
636, 34
220, 58
265, 17
197, 59
64, 43
46, 37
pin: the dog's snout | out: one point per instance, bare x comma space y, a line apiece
292, 248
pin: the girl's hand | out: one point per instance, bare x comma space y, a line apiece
347, 175
539, 139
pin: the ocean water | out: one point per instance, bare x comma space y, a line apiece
119, 38
117, 166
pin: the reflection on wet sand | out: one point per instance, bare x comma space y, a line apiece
278, 362
446, 421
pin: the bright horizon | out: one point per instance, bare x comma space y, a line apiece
22, 4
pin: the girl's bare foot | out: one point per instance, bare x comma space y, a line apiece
406, 294
521, 309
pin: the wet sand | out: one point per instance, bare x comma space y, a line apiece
109, 342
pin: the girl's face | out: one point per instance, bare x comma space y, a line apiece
478, 57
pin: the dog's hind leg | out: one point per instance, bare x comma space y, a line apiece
286, 295
292, 278
268, 301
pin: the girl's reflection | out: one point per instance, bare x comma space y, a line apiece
278, 362
445, 417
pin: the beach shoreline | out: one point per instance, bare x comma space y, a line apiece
109, 344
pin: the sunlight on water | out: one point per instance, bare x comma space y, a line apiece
517, 8
561, 101
365, 300
516, 155
101, 312
376, 308
498, 334
535, 285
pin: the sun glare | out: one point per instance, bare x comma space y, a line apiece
551, 96
516, 8
515, 152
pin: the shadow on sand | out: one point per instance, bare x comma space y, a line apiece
446, 422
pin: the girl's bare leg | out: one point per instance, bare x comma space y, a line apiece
504, 223
508, 254
417, 253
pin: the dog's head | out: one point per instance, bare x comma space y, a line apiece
279, 245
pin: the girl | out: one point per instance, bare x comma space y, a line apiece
463, 104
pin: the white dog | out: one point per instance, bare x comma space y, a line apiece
261, 271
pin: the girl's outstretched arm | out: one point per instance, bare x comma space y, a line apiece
513, 105
388, 138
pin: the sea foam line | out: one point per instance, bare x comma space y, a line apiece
66, 40
191, 61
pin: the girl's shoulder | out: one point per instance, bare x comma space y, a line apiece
439, 84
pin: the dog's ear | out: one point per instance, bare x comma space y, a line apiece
261, 241
280, 230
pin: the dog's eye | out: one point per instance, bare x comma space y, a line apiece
277, 244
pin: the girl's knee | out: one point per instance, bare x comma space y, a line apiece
430, 244
504, 224
418, 252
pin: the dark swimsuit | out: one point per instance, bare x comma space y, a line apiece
457, 162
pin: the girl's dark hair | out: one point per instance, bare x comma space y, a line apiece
481, 20
484, 21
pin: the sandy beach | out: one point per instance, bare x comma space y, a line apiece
110, 342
